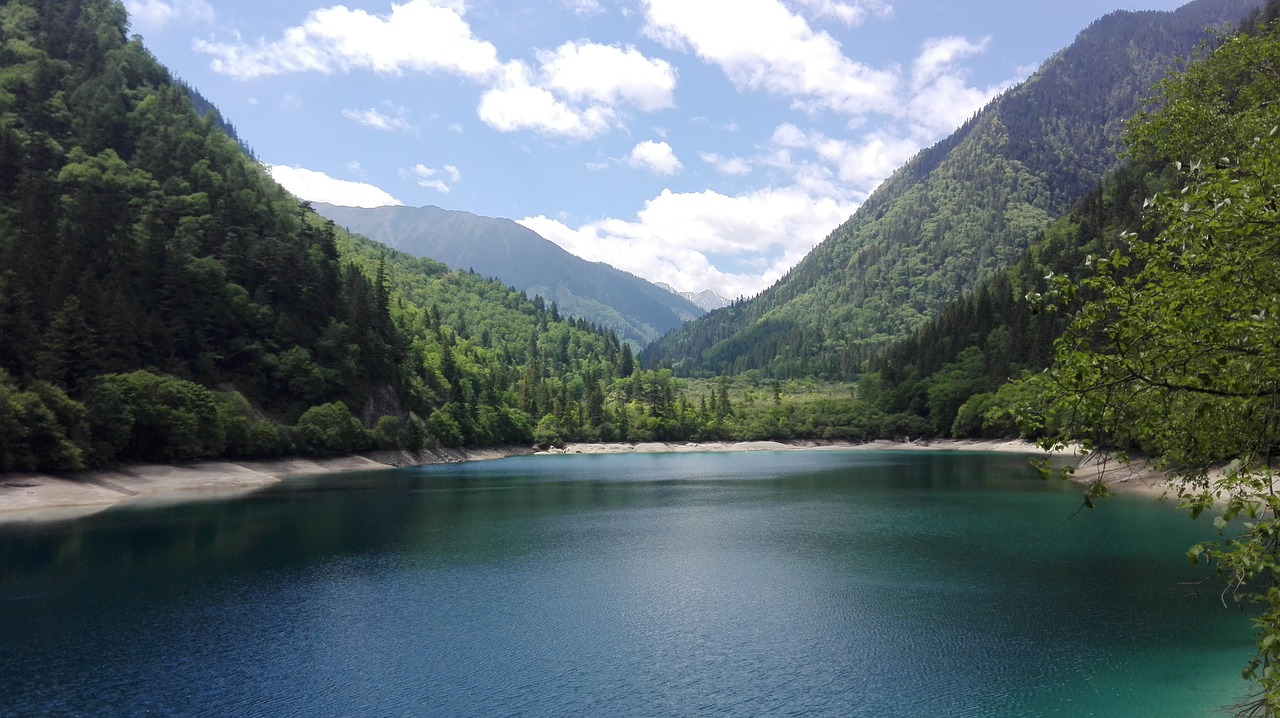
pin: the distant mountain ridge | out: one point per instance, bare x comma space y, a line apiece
708, 299
957, 212
635, 309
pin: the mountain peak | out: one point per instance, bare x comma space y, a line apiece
707, 299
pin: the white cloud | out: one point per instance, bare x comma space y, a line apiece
608, 74
938, 55
576, 92
516, 103
375, 118
768, 47
420, 35
859, 166
676, 236
150, 15
440, 180
731, 166
657, 157
320, 187
818, 181
584, 8
941, 96
848, 13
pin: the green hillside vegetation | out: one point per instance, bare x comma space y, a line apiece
956, 213
636, 310
1172, 344
162, 299
952, 371
135, 236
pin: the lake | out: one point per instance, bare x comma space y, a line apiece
825, 583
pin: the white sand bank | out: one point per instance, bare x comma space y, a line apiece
1010, 446
42, 497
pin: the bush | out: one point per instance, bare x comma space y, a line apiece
547, 433
236, 416
41, 429
386, 435
172, 419
266, 438
413, 435
443, 430
331, 430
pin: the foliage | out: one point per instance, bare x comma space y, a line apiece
1173, 346
992, 334
954, 215
331, 430
634, 309
172, 419
135, 234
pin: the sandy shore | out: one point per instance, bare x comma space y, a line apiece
1136, 477
655, 447
42, 497
1133, 478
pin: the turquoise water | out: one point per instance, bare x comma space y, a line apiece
755, 584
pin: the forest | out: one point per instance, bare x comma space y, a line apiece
1102, 274
162, 299
955, 214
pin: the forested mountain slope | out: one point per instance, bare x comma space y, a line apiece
161, 298
953, 370
635, 309
955, 213
135, 234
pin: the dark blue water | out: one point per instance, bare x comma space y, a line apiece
760, 584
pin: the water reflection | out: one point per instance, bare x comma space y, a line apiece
818, 583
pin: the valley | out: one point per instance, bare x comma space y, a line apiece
1089, 260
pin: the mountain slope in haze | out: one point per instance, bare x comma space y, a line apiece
958, 211
621, 302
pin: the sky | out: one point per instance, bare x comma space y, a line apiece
700, 143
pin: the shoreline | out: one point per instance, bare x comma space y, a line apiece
1012, 446
35, 497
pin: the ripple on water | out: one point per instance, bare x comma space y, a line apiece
794, 584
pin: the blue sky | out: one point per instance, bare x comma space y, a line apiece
701, 143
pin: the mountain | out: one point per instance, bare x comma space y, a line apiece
953, 370
137, 236
636, 310
163, 299
957, 212
707, 299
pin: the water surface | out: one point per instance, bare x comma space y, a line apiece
753, 584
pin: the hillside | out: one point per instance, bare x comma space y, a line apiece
953, 370
162, 299
633, 308
955, 213
135, 235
